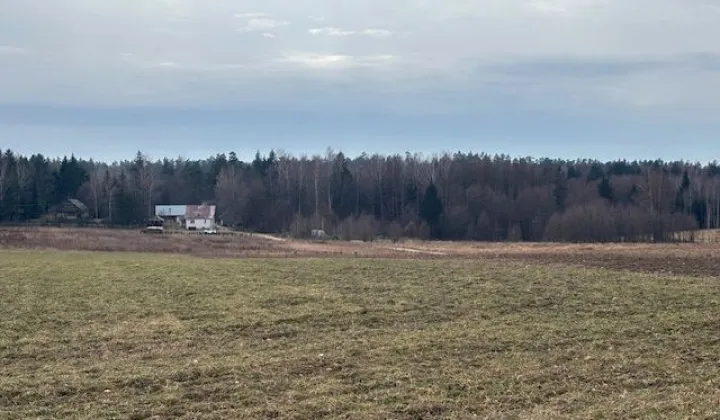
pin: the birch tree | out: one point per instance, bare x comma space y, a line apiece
95, 183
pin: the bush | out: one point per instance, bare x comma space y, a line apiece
602, 222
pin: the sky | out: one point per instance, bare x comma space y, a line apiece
601, 79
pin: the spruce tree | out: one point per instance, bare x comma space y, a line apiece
605, 189
431, 209
596, 172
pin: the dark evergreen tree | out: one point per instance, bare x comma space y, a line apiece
128, 209
34, 209
193, 178
431, 209
43, 185
685, 184
68, 179
233, 159
605, 189
9, 200
560, 189
713, 169
699, 211
343, 188
217, 164
573, 172
596, 172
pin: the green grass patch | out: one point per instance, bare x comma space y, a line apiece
136, 336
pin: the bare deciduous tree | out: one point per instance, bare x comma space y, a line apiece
95, 182
232, 195
145, 179
4, 175
110, 184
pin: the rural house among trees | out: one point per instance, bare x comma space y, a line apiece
71, 209
191, 217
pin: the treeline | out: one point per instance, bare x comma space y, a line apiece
460, 196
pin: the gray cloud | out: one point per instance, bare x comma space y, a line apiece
596, 54
11, 50
262, 24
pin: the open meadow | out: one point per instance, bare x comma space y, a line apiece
248, 327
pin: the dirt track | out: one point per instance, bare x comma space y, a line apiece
687, 259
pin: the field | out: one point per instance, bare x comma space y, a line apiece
189, 329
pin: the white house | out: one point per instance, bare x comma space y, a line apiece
193, 217
200, 217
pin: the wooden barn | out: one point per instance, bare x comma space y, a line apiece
71, 209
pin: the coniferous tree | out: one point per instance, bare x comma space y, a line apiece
128, 210
605, 189
560, 189
431, 209
596, 172
9, 203
68, 179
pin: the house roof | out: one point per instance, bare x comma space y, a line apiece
170, 210
79, 204
200, 212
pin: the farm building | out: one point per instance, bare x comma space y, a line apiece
176, 213
192, 217
71, 209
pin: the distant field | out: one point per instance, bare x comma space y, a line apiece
697, 259
155, 336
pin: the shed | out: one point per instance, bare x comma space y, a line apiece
72, 209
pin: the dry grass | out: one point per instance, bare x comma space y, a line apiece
700, 259
148, 336
700, 236
114, 240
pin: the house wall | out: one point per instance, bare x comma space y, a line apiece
199, 223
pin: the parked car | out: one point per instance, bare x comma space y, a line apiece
153, 229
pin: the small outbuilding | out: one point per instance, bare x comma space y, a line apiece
72, 209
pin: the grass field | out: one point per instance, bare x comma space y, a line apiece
155, 336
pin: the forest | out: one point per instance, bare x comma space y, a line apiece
460, 196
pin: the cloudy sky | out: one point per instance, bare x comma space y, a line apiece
559, 78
